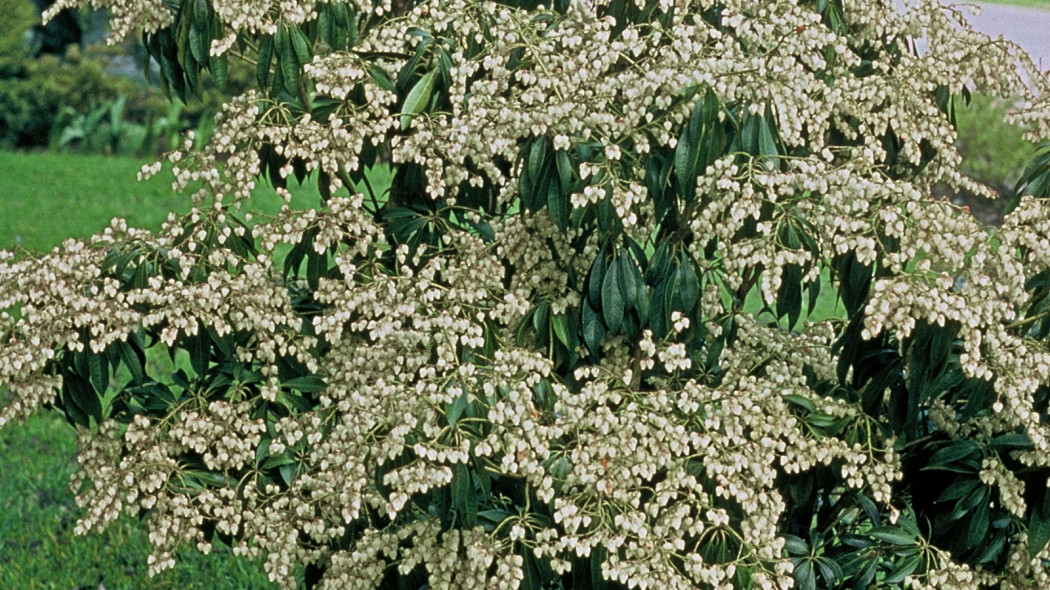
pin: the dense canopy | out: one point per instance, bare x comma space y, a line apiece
588, 337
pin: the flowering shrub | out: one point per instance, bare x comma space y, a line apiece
531, 363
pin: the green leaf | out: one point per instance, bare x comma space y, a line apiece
593, 328
541, 322
219, 66
892, 535
613, 298
560, 323
294, 402
800, 401
135, 363
979, 522
953, 453
992, 551
461, 489
595, 278
287, 60
561, 159
959, 489
974, 499
1011, 442
380, 77
276, 461
199, 347
301, 46
316, 266
557, 204
305, 384
417, 98
200, 44
700, 143
82, 403
98, 372
795, 545
789, 296
767, 146
201, 14
1039, 525
455, 409
903, 569
630, 279
805, 578
830, 570
688, 284
597, 558
287, 472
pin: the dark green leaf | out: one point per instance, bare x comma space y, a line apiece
613, 298
81, 401
805, 578
220, 70
201, 14
953, 453
380, 77
200, 44
892, 535
557, 204
1011, 442
98, 371
287, 472
903, 569
630, 278
593, 328
301, 46
133, 361
1039, 524
287, 60
979, 522
688, 284
767, 146
455, 409
595, 278
305, 384
795, 546
959, 489
560, 323
830, 570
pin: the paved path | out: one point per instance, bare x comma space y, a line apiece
1028, 27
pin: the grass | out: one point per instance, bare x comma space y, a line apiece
1043, 4
49, 197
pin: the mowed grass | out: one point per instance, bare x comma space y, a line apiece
1041, 4
45, 198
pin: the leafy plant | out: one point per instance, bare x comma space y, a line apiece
531, 361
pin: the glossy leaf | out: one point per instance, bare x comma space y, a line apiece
417, 98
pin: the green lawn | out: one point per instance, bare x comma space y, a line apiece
1043, 4
47, 197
